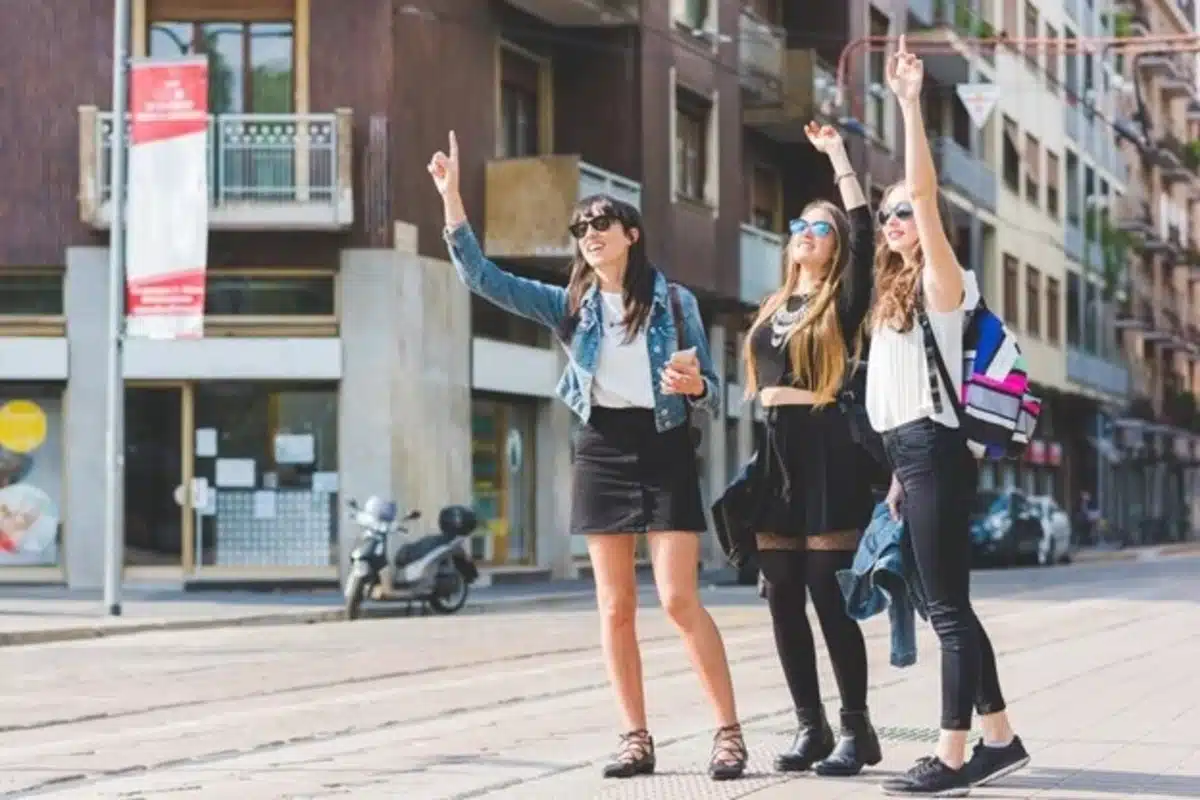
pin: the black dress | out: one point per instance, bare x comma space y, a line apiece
816, 478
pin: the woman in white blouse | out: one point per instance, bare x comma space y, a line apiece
935, 476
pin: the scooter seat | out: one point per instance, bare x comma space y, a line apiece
414, 551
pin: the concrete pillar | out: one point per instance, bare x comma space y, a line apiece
554, 480
713, 480
85, 305
405, 399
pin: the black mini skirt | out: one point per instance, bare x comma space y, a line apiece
630, 478
816, 478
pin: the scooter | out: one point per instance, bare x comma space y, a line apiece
435, 569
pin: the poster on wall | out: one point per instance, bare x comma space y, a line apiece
30, 481
167, 228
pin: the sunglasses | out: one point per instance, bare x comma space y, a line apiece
599, 223
820, 228
899, 211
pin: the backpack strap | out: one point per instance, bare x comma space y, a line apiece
933, 358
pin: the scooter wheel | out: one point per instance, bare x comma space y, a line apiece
451, 603
354, 596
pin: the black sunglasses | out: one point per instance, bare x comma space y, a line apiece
899, 211
600, 223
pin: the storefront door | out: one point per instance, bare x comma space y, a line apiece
157, 510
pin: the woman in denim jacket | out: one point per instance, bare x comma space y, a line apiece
630, 379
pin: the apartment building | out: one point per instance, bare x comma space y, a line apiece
1153, 448
341, 355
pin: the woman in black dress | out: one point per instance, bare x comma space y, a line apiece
801, 353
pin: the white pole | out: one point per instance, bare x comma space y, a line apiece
114, 440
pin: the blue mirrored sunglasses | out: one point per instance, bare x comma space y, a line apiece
820, 228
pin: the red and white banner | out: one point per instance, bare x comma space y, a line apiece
167, 224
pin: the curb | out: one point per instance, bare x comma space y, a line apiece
277, 618
1138, 553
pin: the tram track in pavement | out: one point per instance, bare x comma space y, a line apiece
216, 757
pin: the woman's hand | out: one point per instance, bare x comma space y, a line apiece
825, 138
682, 375
905, 74
895, 497
444, 169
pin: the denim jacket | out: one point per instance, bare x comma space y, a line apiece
883, 575
547, 304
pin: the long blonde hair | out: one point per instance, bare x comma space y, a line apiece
816, 345
896, 280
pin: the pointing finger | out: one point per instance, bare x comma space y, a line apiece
903, 44
453, 147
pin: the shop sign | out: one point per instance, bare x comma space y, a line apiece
1055, 454
1037, 451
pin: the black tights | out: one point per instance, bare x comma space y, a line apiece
789, 573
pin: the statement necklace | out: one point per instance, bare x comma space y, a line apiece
783, 321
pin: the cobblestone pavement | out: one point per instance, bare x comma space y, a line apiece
1101, 665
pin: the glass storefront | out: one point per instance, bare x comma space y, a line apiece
31, 461
503, 448
265, 478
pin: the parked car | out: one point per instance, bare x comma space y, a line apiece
1056, 531
1005, 528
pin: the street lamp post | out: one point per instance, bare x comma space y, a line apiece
114, 429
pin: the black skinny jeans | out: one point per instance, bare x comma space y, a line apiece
789, 573
940, 478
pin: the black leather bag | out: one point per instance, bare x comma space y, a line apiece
737, 512
852, 402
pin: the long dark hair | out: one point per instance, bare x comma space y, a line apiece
638, 284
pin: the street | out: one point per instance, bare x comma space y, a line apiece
1100, 663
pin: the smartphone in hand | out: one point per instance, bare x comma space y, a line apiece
682, 357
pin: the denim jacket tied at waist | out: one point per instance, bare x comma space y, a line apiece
547, 304
883, 575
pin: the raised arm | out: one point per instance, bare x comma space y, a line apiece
535, 300
944, 274
855, 296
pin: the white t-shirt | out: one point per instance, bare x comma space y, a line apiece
622, 378
898, 372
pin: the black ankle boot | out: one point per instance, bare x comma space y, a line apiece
814, 741
857, 746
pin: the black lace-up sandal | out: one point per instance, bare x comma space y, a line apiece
634, 757
729, 754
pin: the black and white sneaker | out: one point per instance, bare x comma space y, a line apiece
992, 763
929, 777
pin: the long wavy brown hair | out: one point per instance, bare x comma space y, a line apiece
816, 345
895, 280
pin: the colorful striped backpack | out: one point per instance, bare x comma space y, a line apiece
996, 412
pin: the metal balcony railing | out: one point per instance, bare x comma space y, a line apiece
760, 263
292, 170
761, 50
960, 169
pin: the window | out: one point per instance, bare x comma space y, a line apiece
1074, 334
289, 435
1033, 170
1052, 178
520, 106
31, 293
1053, 51
31, 474
1012, 155
1053, 323
692, 14
762, 198
1012, 285
691, 152
1033, 301
1011, 21
1031, 32
1074, 201
251, 65
877, 95
1070, 64
270, 293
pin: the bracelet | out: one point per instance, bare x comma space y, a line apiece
839, 178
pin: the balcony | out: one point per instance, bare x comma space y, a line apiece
1169, 154
1097, 373
922, 11
761, 263
1133, 215
804, 82
955, 20
958, 169
1181, 81
265, 171
528, 202
581, 13
1157, 65
760, 55
1073, 121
